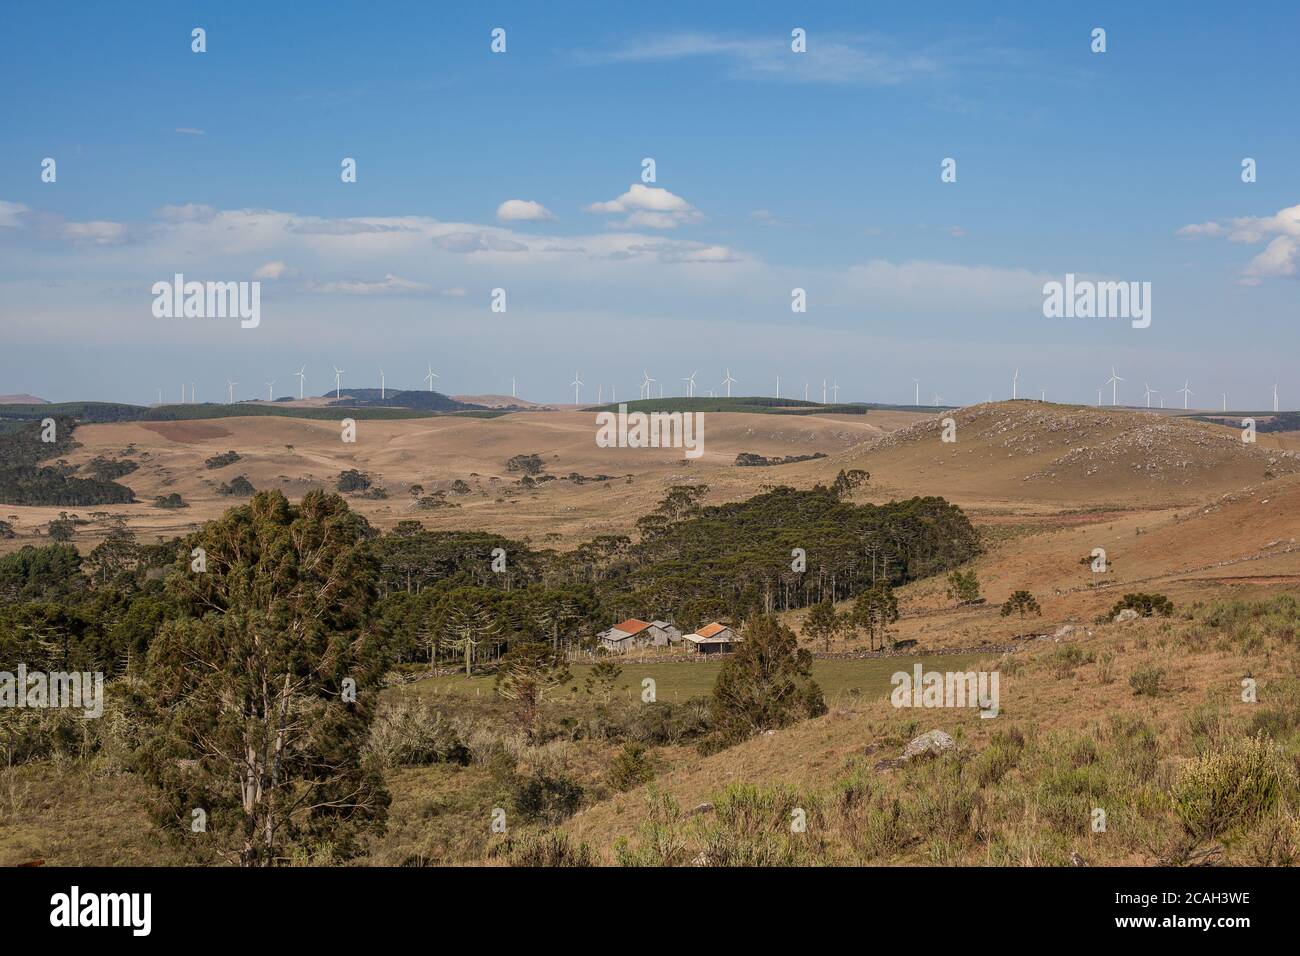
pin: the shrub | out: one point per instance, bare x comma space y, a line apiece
170, 502
353, 480
1147, 681
546, 797
631, 768
220, 461
1231, 787
1147, 605
238, 486
550, 849
410, 733
1022, 602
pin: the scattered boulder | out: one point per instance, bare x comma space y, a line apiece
932, 743
1128, 614
701, 808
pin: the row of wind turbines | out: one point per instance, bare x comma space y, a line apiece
301, 375
1148, 392
647, 380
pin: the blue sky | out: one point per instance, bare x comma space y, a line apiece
775, 170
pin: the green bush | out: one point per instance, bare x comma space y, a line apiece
631, 768
1230, 787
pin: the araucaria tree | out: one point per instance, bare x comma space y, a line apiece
767, 683
526, 673
821, 623
875, 609
1022, 602
265, 687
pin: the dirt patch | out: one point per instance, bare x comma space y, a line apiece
186, 432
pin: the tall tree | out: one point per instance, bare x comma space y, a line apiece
526, 673
265, 687
767, 683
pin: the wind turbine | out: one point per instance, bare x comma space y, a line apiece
823, 391
661, 389
432, 375
381, 385
600, 394
1185, 391
1225, 400
194, 393
1099, 388
1147, 392
1042, 395
805, 391
778, 387
645, 383
577, 384
690, 384
160, 396
182, 393
937, 399
1015, 378
917, 383
231, 390
512, 386
269, 385
1275, 396
302, 380
835, 391
1113, 382
729, 381
338, 381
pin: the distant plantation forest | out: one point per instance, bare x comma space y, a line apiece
24, 481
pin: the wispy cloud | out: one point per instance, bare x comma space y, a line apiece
190, 131
866, 60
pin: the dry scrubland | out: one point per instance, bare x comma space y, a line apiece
1143, 720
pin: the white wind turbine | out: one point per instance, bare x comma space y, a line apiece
645, 383
1015, 379
1099, 388
577, 384
778, 386
729, 381
600, 394
1042, 394
1225, 400
270, 385
1275, 396
805, 391
302, 380
230, 386
338, 381
194, 393
381, 385
182, 393
432, 375
937, 399
690, 384
917, 383
1147, 392
835, 391
1186, 392
1113, 382
823, 391
159, 396
512, 386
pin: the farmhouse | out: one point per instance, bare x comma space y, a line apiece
713, 638
637, 633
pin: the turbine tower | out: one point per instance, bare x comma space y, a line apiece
302, 380
778, 386
1147, 392
231, 391
1275, 396
645, 383
1225, 400
917, 383
690, 384
729, 381
823, 391
194, 393
432, 375
1015, 378
835, 391
270, 385
338, 382
1113, 382
381, 385
1185, 391
577, 384
512, 386
805, 391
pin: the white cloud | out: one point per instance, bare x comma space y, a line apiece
477, 241
98, 232
523, 210
649, 207
390, 285
11, 214
839, 60
1280, 259
190, 131
273, 270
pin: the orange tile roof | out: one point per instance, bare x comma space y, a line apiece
708, 630
632, 626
